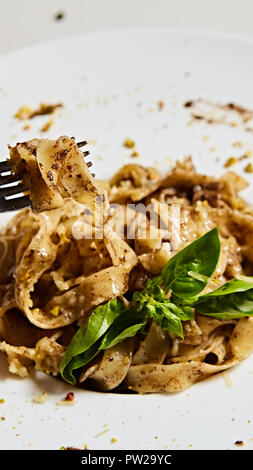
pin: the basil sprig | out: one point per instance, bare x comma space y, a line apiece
169, 299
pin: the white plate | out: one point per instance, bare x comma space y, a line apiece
110, 84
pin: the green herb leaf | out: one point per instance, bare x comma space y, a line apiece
232, 300
153, 287
168, 320
84, 343
79, 361
125, 326
169, 317
187, 273
186, 313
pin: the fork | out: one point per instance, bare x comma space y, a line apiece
12, 196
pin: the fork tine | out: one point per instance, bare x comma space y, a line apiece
12, 190
5, 166
12, 178
7, 205
82, 143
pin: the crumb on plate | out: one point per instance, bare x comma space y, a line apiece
239, 443
69, 399
249, 168
47, 125
41, 399
60, 15
26, 112
160, 105
129, 143
230, 161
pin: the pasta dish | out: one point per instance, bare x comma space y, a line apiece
141, 283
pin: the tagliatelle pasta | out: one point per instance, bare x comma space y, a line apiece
53, 275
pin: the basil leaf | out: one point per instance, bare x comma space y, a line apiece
230, 287
153, 288
80, 349
187, 273
125, 326
79, 361
186, 313
168, 320
183, 302
230, 301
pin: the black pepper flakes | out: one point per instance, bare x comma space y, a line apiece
60, 15
188, 104
239, 443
